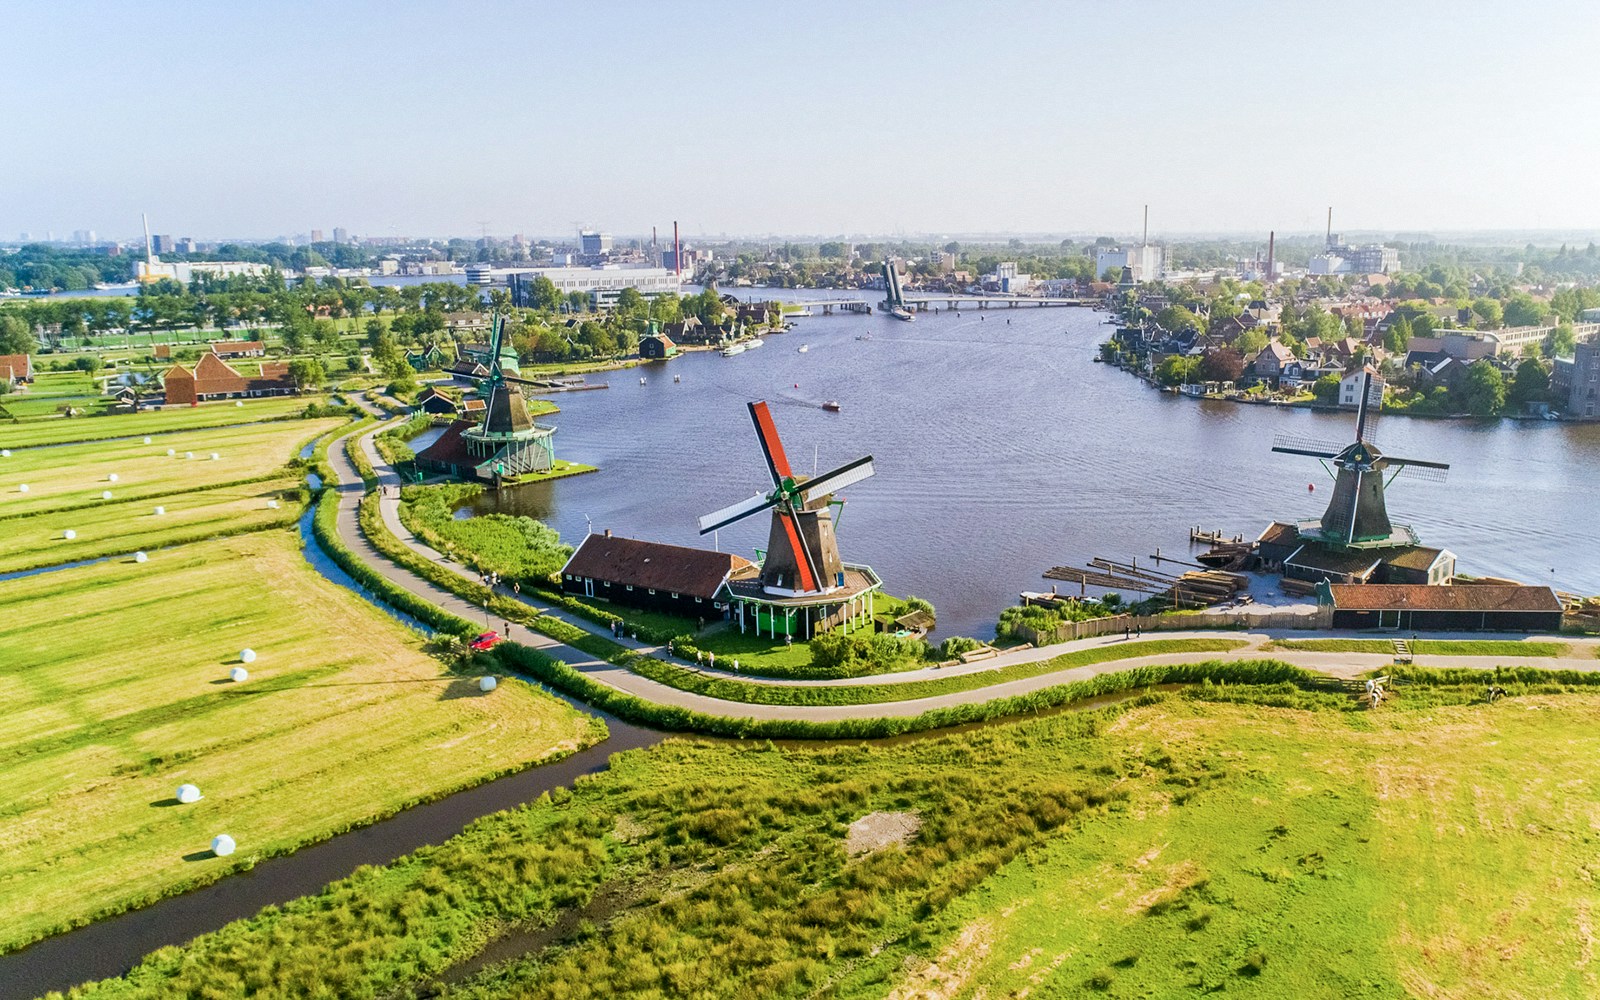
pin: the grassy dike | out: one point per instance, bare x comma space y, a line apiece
689, 679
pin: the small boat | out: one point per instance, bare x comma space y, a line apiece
757, 342
798, 313
677, 378
865, 336
832, 406
732, 349
641, 380
803, 348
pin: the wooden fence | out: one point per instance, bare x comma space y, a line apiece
1321, 618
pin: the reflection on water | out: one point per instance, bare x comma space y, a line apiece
1002, 450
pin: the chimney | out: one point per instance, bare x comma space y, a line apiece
1271, 246
608, 532
1147, 225
1329, 238
677, 251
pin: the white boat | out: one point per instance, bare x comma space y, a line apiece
677, 378
803, 348
641, 380
757, 342
799, 314
732, 349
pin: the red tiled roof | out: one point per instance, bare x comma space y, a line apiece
674, 569
21, 365
237, 347
1460, 597
450, 449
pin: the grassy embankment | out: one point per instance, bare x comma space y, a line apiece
687, 679
1182, 843
1428, 647
115, 679
54, 430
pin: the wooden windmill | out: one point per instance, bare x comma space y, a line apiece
802, 552
1357, 514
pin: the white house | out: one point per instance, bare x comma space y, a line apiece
1350, 388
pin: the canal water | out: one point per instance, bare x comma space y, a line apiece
1001, 450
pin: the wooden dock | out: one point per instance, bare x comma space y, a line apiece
1193, 588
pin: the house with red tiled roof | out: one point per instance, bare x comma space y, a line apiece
16, 369
214, 378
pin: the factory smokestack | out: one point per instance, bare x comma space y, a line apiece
677, 251
1329, 238
1271, 246
1147, 225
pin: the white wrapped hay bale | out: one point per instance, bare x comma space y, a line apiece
171, 452
22, 488
105, 494
238, 675
160, 511
69, 534
188, 454
487, 683
5, 452
247, 656
146, 440
139, 557
222, 845
188, 794
111, 478
215, 456
272, 505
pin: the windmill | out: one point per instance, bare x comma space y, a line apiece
1357, 515
802, 553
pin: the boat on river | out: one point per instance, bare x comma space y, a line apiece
732, 349
757, 342
803, 348
832, 406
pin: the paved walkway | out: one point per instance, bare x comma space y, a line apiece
1343, 665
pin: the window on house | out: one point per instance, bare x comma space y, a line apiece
630, 586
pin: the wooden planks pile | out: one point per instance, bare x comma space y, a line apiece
1192, 589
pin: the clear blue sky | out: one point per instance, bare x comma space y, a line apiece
260, 119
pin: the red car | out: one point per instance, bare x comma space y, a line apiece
485, 641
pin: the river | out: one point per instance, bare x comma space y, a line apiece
1002, 450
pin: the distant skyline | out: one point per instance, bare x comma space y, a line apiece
253, 121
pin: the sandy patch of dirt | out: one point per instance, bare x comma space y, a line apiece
948, 974
875, 831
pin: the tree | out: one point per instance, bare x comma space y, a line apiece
544, 294
1489, 313
16, 337
630, 302
1523, 309
1175, 318
1530, 383
1222, 366
1560, 342
1483, 392
1397, 339
1250, 342
1326, 390
1177, 370
307, 373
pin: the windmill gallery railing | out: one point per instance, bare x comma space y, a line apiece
1318, 618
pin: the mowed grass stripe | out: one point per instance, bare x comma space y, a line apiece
130, 526
110, 674
54, 430
1429, 647
74, 476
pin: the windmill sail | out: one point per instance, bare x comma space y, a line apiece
802, 553
1358, 514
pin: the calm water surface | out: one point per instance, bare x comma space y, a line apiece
1002, 450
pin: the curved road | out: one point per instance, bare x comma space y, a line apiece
1336, 664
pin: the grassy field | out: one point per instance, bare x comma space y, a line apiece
125, 526
54, 430
114, 680
1428, 647
1174, 845
75, 475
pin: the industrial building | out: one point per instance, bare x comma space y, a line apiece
602, 284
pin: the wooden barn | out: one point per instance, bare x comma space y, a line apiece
1466, 607
653, 575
